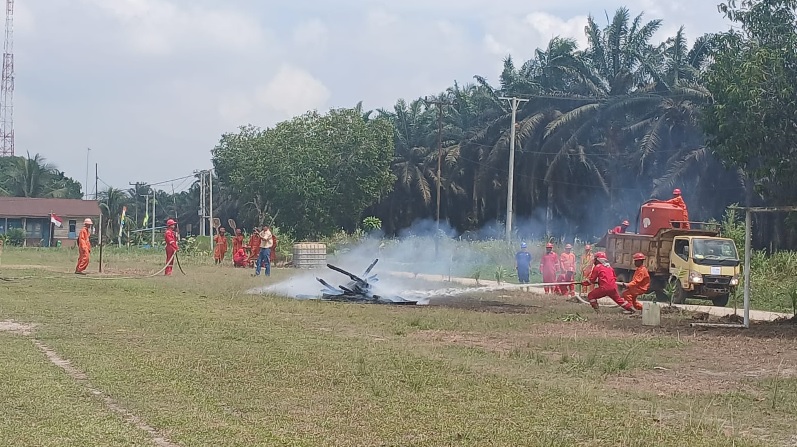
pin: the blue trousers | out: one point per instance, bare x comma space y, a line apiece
523, 276
264, 260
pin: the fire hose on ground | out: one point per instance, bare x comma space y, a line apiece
174, 257
571, 283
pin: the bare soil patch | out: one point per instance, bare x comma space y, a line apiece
16, 328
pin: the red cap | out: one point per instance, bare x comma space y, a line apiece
639, 257
676, 192
170, 222
601, 255
549, 245
625, 222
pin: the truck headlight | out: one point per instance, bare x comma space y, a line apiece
695, 278
735, 281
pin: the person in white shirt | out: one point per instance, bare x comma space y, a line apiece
264, 259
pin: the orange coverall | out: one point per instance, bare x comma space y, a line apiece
237, 241
586, 270
171, 248
254, 248
84, 249
221, 247
549, 263
639, 285
567, 263
678, 201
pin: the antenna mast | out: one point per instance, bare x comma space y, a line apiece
7, 87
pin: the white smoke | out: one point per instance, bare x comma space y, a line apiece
418, 264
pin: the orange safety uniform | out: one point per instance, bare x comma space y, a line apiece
639, 285
678, 201
549, 264
254, 248
237, 242
171, 248
221, 247
586, 270
239, 258
567, 263
84, 250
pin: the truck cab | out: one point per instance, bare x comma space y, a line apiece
703, 267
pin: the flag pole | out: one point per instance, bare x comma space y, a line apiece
52, 230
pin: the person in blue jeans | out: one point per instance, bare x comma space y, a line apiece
264, 258
523, 264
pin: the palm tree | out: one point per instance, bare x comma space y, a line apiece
34, 177
112, 201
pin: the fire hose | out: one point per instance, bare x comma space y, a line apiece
99, 278
571, 283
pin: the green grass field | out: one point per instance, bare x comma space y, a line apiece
206, 364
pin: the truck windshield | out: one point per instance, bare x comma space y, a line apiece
715, 252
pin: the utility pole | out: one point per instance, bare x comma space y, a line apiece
99, 236
135, 195
153, 217
514, 101
210, 186
96, 179
439, 103
202, 203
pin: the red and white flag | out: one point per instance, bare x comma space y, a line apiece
55, 220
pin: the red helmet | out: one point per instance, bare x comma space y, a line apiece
625, 223
676, 192
601, 255
170, 222
639, 257
549, 245
568, 247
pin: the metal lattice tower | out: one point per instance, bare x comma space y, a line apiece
7, 86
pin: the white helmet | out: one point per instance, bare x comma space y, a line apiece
87, 221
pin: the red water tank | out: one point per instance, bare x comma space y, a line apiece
655, 216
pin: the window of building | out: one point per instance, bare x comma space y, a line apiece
72, 226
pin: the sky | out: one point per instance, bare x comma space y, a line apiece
151, 85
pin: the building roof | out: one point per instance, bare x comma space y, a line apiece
28, 207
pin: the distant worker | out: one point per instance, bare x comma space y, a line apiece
678, 202
264, 259
84, 247
237, 241
603, 275
221, 245
620, 229
640, 283
549, 264
239, 258
567, 263
586, 267
523, 264
254, 246
171, 245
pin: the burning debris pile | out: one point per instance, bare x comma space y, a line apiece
357, 290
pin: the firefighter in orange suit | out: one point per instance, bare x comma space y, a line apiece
678, 201
84, 247
640, 283
171, 245
567, 264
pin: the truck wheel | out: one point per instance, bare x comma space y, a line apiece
721, 301
678, 295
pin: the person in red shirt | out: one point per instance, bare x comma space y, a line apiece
603, 275
620, 229
639, 284
239, 258
549, 265
237, 241
171, 245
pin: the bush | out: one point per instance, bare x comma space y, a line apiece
14, 237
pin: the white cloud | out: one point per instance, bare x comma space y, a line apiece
162, 27
521, 36
292, 91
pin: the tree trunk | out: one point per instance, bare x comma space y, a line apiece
549, 211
